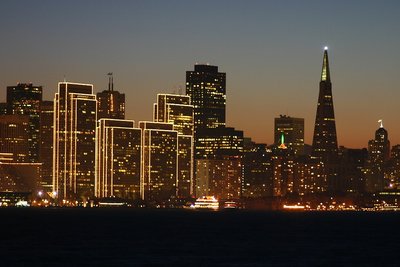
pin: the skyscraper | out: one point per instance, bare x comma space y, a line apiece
207, 90
293, 130
176, 109
46, 143
75, 120
159, 161
118, 158
26, 99
219, 166
325, 140
110, 103
378, 155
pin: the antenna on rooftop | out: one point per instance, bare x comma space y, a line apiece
110, 81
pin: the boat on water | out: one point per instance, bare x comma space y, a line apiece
206, 203
231, 205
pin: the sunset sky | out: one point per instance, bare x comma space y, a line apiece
271, 51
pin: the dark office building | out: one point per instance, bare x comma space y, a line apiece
257, 170
293, 130
378, 156
110, 103
14, 137
46, 143
26, 99
325, 140
207, 90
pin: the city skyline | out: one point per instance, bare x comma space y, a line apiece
268, 61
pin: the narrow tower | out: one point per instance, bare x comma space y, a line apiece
325, 140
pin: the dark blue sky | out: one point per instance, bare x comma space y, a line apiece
270, 50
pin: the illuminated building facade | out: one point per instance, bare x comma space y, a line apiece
207, 90
309, 176
110, 103
75, 120
219, 167
325, 140
293, 129
26, 99
176, 109
378, 156
46, 144
14, 137
282, 162
118, 159
159, 175
257, 166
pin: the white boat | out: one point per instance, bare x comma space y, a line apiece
207, 202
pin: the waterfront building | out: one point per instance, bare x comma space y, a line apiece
159, 174
257, 170
75, 121
118, 159
46, 144
177, 110
26, 99
14, 137
378, 156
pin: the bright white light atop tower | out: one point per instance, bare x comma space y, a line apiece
325, 48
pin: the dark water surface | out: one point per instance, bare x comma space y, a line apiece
129, 237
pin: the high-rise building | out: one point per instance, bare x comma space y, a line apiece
118, 158
309, 176
257, 174
14, 137
176, 109
282, 163
325, 140
352, 163
293, 130
219, 164
26, 99
159, 175
110, 103
207, 90
46, 144
378, 156
75, 120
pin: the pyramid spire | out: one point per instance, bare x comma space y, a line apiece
325, 74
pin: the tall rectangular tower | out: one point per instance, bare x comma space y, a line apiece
118, 158
75, 119
159, 161
176, 109
207, 90
293, 131
26, 99
46, 143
